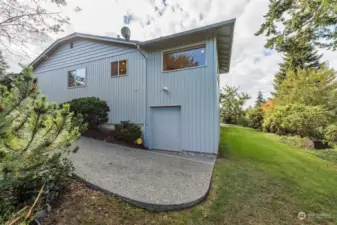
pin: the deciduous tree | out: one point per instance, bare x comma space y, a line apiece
26, 22
232, 102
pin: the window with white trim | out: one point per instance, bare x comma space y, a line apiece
184, 58
119, 68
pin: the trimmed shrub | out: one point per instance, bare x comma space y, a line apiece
93, 110
298, 119
128, 132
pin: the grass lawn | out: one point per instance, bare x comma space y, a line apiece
257, 180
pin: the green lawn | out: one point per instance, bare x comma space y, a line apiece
257, 180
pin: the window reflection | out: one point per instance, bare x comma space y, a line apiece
184, 58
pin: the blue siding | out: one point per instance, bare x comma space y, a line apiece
124, 95
195, 90
83, 51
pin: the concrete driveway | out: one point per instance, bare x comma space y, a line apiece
155, 180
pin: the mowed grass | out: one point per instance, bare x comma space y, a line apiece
256, 180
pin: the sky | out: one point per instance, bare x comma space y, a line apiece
252, 66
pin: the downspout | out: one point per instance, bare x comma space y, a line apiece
145, 95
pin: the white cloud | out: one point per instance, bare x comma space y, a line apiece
252, 66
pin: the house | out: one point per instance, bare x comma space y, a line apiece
170, 85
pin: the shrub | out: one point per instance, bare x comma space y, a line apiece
254, 116
93, 110
297, 119
330, 133
128, 132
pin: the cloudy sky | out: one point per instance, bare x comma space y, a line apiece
252, 67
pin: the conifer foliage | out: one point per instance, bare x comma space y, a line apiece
298, 55
30, 128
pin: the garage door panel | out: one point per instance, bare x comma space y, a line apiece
165, 125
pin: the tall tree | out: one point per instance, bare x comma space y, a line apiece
299, 54
287, 20
26, 22
259, 100
232, 102
3, 66
309, 87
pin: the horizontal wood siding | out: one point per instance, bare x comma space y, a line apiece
124, 95
195, 91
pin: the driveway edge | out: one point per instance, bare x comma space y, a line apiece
149, 206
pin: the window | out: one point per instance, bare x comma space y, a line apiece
71, 44
118, 68
184, 58
76, 78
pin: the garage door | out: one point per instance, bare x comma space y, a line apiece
165, 123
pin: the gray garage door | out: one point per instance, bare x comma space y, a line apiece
165, 123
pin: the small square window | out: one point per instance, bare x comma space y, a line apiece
77, 78
119, 68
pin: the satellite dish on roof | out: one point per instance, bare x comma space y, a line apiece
126, 33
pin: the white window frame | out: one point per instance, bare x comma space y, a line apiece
127, 68
85, 78
184, 47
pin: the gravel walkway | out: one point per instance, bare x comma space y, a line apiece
155, 180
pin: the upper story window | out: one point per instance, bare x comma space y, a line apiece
71, 44
77, 78
184, 58
119, 68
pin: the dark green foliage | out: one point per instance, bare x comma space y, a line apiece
260, 100
93, 110
298, 55
291, 20
128, 132
254, 117
30, 128
3, 66
232, 102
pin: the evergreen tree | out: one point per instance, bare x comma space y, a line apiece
260, 100
299, 54
30, 127
3, 66
289, 20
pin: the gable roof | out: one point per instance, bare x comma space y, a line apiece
223, 31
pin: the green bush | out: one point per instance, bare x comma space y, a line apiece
298, 119
254, 116
128, 132
330, 133
93, 110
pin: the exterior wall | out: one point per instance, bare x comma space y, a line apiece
124, 95
195, 90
